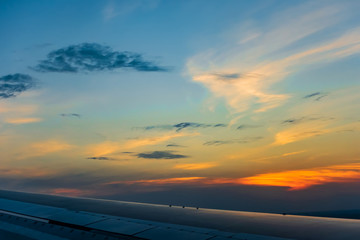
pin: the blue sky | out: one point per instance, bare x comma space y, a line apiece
152, 96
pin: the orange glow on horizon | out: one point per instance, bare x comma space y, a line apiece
162, 181
294, 179
71, 192
301, 179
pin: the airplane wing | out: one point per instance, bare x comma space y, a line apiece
28, 216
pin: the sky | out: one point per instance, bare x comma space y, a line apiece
245, 105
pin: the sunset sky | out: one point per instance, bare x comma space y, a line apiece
247, 105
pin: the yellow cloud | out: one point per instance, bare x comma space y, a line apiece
134, 143
308, 130
293, 153
195, 166
25, 172
16, 108
103, 148
297, 134
110, 147
22, 120
44, 148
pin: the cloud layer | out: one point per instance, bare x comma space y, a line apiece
13, 84
90, 57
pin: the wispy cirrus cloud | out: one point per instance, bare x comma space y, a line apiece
13, 84
298, 120
70, 115
133, 143
110, 147
18, 109
232, 141
317, 96
247, 126
99, 158
90, 57
114, 9
255, 65
44, 147
311, 129
183, 125
293, 153
195, 166
296, 133
25, 172
314, 117
16, 113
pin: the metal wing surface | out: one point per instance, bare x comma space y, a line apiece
25, 216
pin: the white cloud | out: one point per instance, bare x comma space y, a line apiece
244, 72
120, 8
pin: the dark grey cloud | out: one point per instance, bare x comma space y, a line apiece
305, 119
13, 84
220, 125
89, 57
246, 126
160, 155
100, 158
228, 76
70, 115
180, 126
312, 95
293, 120
163, 127
232, 141
234, 76
317, 96
174, 145
217, 142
